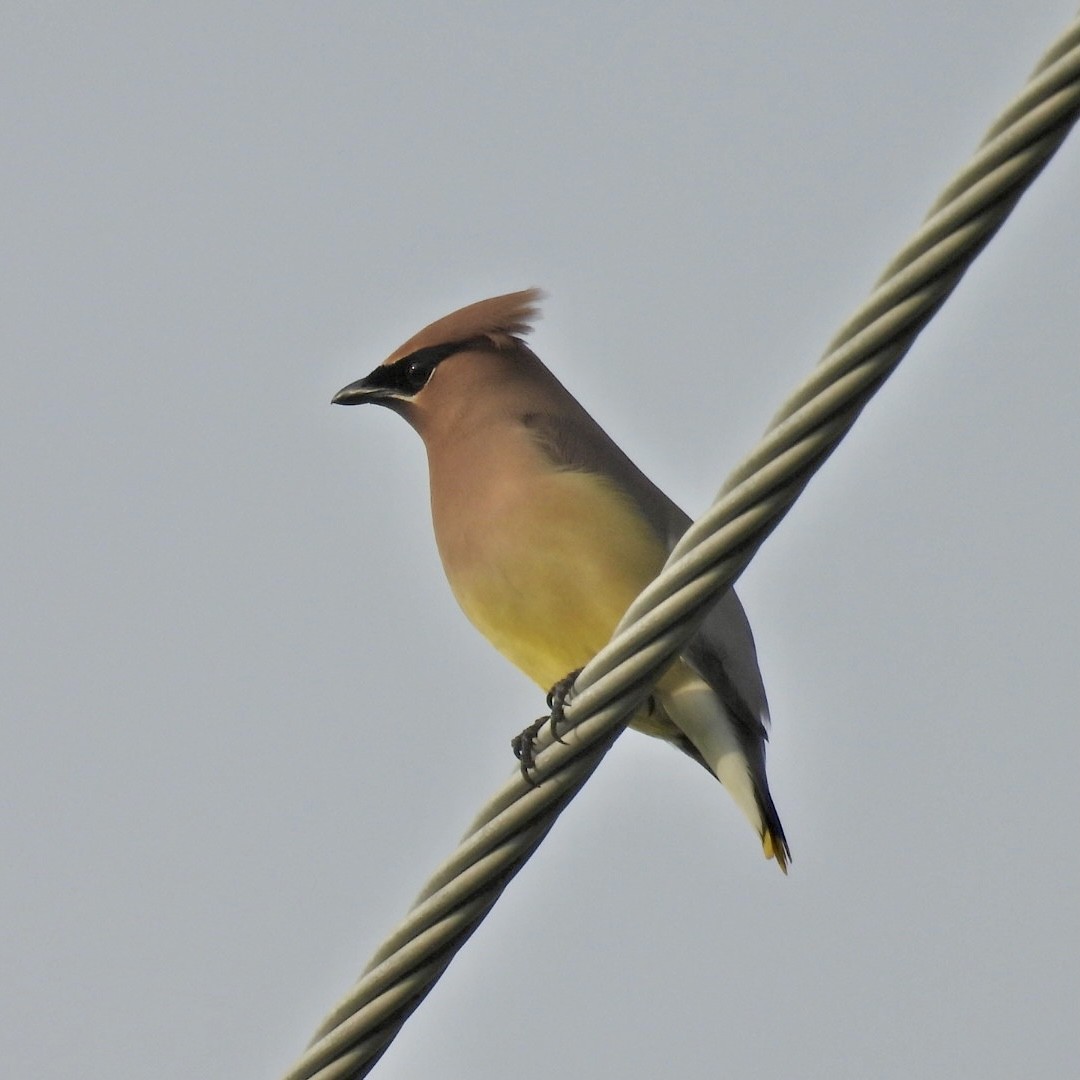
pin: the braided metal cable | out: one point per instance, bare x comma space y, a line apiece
706, 560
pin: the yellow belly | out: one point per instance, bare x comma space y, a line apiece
552, 570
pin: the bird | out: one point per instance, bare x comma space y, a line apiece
547, 532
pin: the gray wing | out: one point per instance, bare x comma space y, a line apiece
722, 652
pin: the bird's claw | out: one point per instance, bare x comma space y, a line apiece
556, 701
523, 744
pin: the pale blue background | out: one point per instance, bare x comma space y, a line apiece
242, 718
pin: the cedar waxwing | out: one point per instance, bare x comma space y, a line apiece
547, 532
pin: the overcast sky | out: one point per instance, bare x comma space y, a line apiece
243, 718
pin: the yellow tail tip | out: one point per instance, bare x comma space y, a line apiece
778, 851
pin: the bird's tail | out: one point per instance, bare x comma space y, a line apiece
773, 841
710, 735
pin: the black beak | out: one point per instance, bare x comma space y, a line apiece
364, 390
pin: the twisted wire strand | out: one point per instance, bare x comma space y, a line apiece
708, 558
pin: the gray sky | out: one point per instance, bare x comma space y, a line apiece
242, 717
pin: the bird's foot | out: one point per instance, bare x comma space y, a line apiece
523, 744
556, 701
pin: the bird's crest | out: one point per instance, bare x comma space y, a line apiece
500, 319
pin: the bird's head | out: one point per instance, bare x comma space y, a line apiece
488, 326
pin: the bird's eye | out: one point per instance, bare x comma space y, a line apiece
412, 373
417, 372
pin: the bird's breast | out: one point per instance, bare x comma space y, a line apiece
544, 563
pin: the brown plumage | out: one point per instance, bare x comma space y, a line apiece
499, 321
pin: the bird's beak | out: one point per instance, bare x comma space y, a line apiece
364, 390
